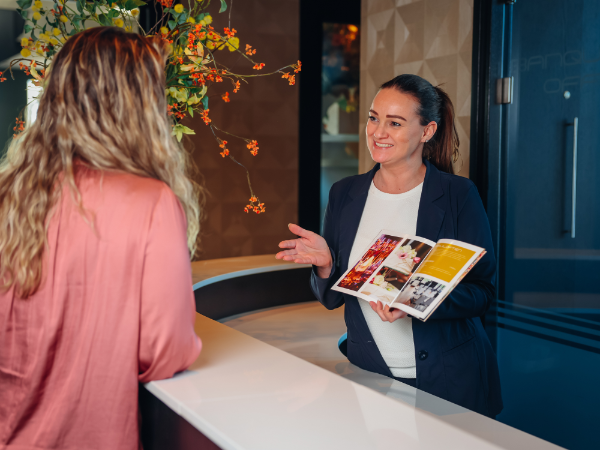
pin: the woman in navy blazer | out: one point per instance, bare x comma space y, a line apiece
454, 358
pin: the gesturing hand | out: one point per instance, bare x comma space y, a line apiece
309, 248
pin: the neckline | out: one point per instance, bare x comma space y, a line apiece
376, 192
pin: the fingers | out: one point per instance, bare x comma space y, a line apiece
289, 254
379, 310
385, 313
299, 231
288, 244
393, 314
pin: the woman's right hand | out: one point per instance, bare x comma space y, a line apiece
309, 248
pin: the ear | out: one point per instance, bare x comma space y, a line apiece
429, 131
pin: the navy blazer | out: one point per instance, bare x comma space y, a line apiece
454, 357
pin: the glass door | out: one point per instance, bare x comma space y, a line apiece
548, 312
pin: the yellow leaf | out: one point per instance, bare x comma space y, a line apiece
35, 73
233, 44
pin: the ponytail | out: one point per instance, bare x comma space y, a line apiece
434, 106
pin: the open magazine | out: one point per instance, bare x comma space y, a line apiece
408, 272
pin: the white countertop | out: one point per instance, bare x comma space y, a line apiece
244, 394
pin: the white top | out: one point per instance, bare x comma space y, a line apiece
393, 212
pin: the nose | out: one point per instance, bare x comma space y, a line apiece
380, 132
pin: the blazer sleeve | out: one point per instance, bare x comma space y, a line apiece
321, 287
473, 296
168, 343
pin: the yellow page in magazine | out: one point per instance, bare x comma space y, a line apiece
445, 261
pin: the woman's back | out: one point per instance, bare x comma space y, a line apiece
115, 301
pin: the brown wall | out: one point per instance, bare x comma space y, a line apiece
429, 38
266, 109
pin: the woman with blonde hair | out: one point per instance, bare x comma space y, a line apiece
98, 218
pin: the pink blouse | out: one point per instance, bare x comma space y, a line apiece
115, 308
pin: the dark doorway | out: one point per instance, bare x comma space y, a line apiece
313, 15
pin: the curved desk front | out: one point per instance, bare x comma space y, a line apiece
243, 393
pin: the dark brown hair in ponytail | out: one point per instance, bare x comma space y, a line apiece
434, 106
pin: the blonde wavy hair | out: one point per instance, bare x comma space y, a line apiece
104, 103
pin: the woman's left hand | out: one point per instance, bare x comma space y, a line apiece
387, 314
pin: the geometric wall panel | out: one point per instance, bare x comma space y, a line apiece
429, 38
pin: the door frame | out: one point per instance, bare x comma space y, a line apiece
491, 42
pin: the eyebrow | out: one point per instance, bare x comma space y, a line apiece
389, 116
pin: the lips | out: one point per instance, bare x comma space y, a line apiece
382, 145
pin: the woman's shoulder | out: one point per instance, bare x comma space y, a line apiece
124, 188
345, 184
457, 185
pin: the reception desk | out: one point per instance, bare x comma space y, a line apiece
245, 393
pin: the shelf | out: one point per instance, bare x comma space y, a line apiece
339, 137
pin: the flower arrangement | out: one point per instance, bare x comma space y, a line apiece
406, 252
407, 259
191, 71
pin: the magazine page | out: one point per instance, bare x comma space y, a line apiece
385, 267
445, 266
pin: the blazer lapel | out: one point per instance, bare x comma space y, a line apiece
351, 214
431, 216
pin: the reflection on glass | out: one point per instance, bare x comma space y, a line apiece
340, 79
548, 314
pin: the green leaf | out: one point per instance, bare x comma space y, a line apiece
24, 16
182, 17
104, 20
179, 130
205, 102
172, 24
132, 4
191, 111
24, 4
27, 28
80, 5
223, 6
113, 13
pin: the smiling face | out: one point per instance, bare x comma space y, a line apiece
394, 132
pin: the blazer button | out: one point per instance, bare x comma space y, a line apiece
423, 355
